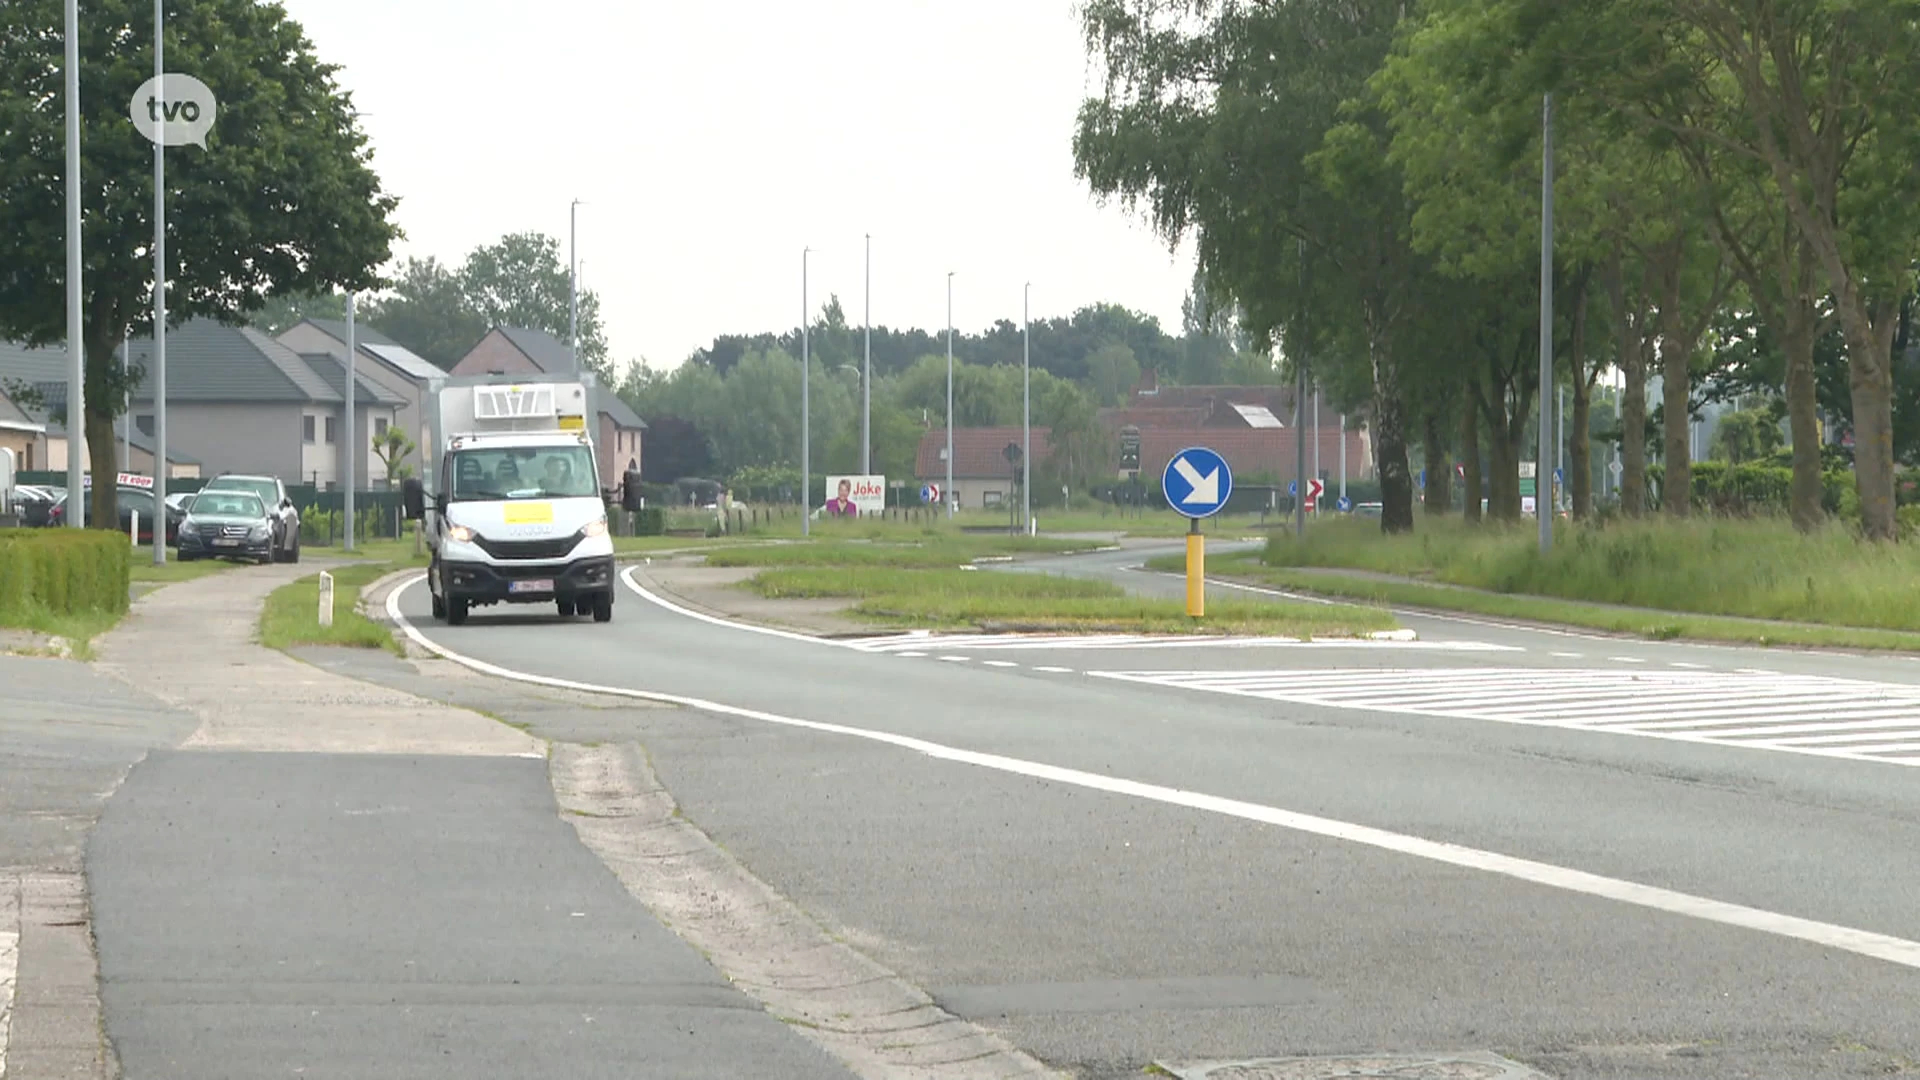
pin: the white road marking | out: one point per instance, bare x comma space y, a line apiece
954, 659
999, 663
919, 640
1847, 939
913, 655
1763, 712
1689, 667
1626, 659
1566, 655
9, 963
1055, 670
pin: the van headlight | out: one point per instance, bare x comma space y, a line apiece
596, 528
459, 534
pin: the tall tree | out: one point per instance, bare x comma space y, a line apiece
427, 311
522, 280
283, 200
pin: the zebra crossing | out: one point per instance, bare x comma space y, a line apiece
1793, 713
917, 641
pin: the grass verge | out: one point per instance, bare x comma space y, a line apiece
77, 630
1744, 569
945, 551
291, 616
954, 598
1651, 624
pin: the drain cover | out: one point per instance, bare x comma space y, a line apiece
1360, 1067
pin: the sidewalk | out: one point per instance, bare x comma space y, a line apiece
327, 878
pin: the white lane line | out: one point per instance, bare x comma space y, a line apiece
1626, 659
1055, 670
1756, 671
998, 663
1847, 939
911, 655
1566, 655
1689, 667
954, 659
9, 963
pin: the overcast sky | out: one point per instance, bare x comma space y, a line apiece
711, 142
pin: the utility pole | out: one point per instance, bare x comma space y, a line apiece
947, 492
1026, 407
1541, 499
573, 285
806, 406
76, 348
159, 299
1300, 410
866, 375
352, 447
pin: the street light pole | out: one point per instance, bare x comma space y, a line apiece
159, 297
947, 492
1540, 497
352, 444
806, 406
1026, 406
866, 375
573, 284
76, 350
1300, 412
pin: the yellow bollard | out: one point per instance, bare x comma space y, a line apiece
1196, 572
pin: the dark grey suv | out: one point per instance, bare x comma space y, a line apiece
273, 494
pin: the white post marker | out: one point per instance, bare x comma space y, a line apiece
326, 598
133, 532
170, 110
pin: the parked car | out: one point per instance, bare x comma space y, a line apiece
35, 502
273, 495
128, 501
228, 524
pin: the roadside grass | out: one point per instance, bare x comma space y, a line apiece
292, 613
77, 630
954, 598
1752, 569
143, 572
940, 551
1151, 523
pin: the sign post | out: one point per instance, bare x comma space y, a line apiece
1197, 483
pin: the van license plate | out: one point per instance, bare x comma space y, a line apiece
531, 586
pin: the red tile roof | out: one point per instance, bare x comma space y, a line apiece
976, 452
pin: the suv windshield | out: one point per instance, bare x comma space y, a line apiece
524, 472
238, 504
265, 489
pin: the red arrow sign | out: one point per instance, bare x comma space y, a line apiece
1314, 490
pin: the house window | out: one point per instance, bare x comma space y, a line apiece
991, 499
333, 429
379, 428
306, 430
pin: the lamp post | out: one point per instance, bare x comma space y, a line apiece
76, 352
159, 296
1026, 407
806, 406
352, 447
947, 491
1546, 328
573, 285
866, 374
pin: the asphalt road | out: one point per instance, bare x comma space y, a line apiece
1124, 911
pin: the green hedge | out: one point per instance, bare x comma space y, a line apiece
63, 571
1757, 487
650, 522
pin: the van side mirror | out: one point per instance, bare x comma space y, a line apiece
413, 499
632, 496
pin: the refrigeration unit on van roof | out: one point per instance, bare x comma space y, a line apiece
515, 408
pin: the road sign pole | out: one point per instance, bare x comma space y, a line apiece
160, 293
1196, 570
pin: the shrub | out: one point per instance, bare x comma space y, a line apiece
650, 522
63, 571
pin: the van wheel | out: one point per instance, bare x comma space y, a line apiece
603, 607
456, 612
439, 605
567, 606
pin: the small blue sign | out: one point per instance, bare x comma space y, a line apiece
1197, 482
1422, 482
930, 493
1345, 504
1559, 477
1293, 488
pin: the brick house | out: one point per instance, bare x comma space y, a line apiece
512, 350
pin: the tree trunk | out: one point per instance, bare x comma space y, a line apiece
1870, 377
1390, 444
1439, 493
1676, 356
102, 442
1579, 456
1470, 454
1631, 345
1798, 331
1504, 476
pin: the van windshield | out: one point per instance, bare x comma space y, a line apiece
525, 472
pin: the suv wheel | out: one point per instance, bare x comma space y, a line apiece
293, 556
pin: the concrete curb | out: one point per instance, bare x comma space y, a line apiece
876, 1023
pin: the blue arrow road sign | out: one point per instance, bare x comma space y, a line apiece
930, 493
1293, 487
1197, 482
1345, 504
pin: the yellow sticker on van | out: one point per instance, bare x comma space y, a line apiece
573, 423
530, 513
